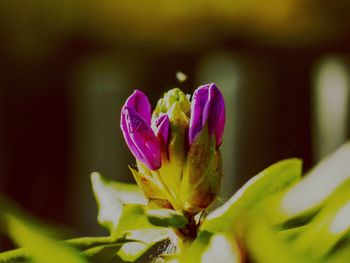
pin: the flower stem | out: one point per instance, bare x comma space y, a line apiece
189, 232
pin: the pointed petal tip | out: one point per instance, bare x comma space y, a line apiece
163, 128
140, 103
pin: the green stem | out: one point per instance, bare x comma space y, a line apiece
190, 231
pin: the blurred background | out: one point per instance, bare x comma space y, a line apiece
66, 68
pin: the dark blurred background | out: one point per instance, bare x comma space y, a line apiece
66, 67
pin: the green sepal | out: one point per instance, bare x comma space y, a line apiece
150, 187
202, 173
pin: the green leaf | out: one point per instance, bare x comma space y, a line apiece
133, 217
221, 248
15, 256
208, 247
41, 247
167, 218
291, 233
147, 239
273, 179
111, 197
329, 226
130, 252
264, 246
340, 256
104, 254
194, 253
310, 194
127, 250
135, 225
84, 243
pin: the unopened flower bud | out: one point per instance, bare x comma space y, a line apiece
203, 169
202, 174
135, 124
207, 107
178, 157
168, 100
176, 106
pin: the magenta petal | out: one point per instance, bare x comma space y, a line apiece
163, 127
140, 103
216, 117
207, 107
199, 101
140, 138
125, 130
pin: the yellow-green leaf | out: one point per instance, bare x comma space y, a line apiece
273, 179
111, 197
310, 194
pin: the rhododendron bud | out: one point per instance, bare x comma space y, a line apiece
176, 106
168, 100
135, 124
177, 152
207, 107
203, 170
202, 173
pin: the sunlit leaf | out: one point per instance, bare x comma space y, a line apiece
147, 239
133, 217
221, 248
41, 247
111, 197
328, 226
309, 194
134, 225
269, 181
15, 256
264, 247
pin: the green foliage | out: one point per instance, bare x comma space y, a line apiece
39, 246
126, 203
111, 197
221, 248
273, 179
167, 218
275, 217
330, 225
193, 253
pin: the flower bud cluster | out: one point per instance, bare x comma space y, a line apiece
177, 146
